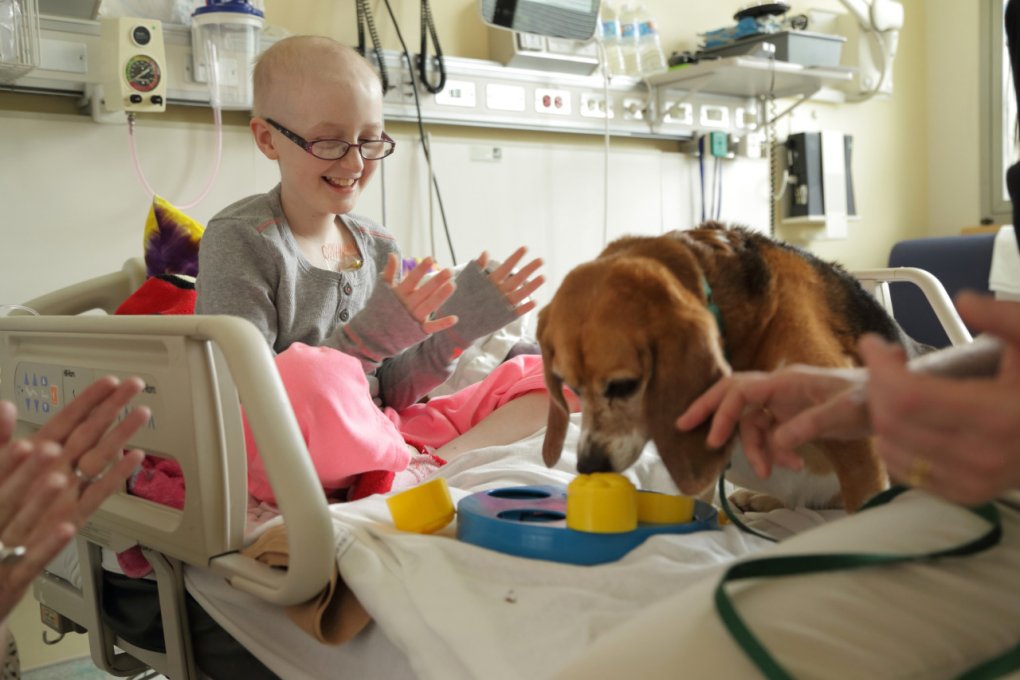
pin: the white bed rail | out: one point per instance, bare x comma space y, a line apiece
196, 368
102, 292
877, 282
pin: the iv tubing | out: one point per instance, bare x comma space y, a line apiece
214, 102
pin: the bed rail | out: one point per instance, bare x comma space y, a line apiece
198, 369
877, 282
102, 292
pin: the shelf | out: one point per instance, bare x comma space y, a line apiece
749, 77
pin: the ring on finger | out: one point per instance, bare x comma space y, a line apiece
12, 554
86, 478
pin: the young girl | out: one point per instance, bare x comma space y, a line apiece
321, 283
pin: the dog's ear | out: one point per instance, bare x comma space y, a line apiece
687, 361
559, 412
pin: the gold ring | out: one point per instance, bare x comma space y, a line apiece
12, 554
920, 470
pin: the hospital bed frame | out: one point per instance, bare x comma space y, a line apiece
198, 369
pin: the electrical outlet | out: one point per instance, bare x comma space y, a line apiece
714, 116
751, 145
681, 113
635, 109
552, 101
594, 106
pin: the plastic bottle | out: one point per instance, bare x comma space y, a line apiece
609, 35
629, 40
649, 48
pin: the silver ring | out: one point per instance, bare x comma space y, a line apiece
86, 479
11, 555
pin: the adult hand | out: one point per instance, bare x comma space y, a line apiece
53, 480
777, 412
515, 285
957, 438
422, 299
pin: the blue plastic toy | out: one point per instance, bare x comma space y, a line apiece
530, 521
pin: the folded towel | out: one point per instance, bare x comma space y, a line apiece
332, 617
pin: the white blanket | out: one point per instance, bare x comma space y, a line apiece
456, 610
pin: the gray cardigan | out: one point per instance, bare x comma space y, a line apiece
250, 266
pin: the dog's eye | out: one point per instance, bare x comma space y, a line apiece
621, 389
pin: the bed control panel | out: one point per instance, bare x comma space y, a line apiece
41, 390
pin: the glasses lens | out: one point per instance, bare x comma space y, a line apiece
330, 149
373, 151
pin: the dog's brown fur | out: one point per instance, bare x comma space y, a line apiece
632, 333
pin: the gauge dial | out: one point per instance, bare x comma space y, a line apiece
142, 73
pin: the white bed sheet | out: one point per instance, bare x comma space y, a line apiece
447, 609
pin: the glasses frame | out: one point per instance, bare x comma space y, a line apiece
307, 146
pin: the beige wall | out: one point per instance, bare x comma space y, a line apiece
916, 166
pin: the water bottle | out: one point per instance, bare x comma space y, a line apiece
629, 40
649, 48
609, 35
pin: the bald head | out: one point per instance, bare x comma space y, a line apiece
295, 67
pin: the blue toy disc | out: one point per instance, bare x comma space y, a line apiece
531, 521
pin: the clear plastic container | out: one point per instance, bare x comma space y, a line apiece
225, 34
609, 35
628, 40
649, 47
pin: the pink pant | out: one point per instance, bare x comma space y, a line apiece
347, 434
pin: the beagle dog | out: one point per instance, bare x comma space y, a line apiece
652, 322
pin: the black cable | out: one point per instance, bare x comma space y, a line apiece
428, 27
421, 130
364, 16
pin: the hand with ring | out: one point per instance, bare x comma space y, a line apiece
53, 480
958, 438
777, 412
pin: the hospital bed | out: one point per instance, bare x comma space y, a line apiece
440, 608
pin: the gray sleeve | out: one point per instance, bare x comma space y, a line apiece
480, 308
387, 340
236, 272
381, 330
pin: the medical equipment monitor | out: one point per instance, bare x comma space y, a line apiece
572, 19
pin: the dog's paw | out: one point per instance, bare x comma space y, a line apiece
753, 501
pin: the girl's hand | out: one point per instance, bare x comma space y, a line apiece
515, 285
422, 299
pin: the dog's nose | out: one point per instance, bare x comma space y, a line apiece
595, 461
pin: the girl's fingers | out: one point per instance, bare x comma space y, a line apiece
522, 294
441, 324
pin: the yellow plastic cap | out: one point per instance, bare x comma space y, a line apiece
661, 508
423, 509
601, 503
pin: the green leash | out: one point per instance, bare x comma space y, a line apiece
792, 565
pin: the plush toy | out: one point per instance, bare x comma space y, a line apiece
170, 241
